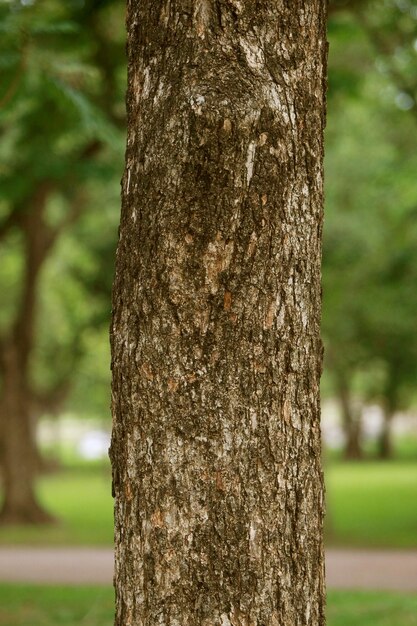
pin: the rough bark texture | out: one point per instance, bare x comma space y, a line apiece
216, 352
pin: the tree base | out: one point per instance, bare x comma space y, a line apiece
31, 515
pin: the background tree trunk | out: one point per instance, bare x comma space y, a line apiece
19, 455
385, 448
351, 419
18, 447
215, 335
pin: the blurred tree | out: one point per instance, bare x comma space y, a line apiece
369, 303
389, 330
392, 30
61, 114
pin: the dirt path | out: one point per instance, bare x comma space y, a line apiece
346, 569
393, 570
64, 566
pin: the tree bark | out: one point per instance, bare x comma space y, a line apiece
216, 353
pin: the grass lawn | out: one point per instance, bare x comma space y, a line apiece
30, 605
22, 605
371, 608
80, 498
369, 504
372, 504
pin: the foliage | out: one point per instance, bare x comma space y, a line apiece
370, 242
62, 120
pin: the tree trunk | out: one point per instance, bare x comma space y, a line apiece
389, 408
19, 455
351, 420
18, 447
216, 353
385, 447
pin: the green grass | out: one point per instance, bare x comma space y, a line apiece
371, 608
30, 605
372, 504
81, 500
24, 605
369, 504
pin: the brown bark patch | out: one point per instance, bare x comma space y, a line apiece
157, 519
217, 259
147, 371
227, 301
173, 384
270, 314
